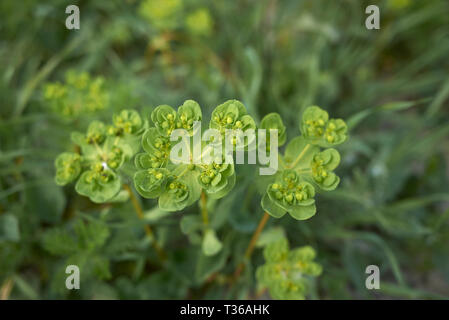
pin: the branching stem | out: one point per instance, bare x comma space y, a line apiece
252, 243
148, 231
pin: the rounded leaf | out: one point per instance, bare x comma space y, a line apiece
211, 245
150, 183
274, 121
68, 168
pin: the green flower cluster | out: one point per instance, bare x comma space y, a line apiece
232, 115
317, 128
217, 179
172, 14
199, 22
162, 14
166, 119
305, 169
178, 185
104, 149
287, 273
79, 94
290, 194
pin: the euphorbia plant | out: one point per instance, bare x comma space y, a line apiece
304, 170
287, 273
103, 151
105, 154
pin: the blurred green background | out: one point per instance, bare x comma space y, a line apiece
391, 85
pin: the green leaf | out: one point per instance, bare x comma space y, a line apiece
208, 265
68, 168
47, 203
299, 153
217, 179
303, 212
230, 183
188, 113
274, 121
270, 235
155, 214
211, 245
59, 242
190, 223
164, 119
97, 187
151, 183
91, 235
101, 267
271, 207
182, 189
9, 228
321, 169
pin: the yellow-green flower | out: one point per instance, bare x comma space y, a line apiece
200, 22
162, 14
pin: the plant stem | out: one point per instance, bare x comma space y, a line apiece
204, 213
148, 231
252, 243
6, 288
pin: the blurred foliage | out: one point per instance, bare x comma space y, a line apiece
392, 86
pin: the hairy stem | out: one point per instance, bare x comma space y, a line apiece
148, 231
252, 243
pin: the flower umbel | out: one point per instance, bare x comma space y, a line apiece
102, 153
287, 273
